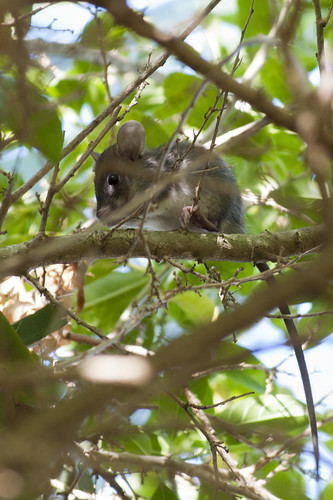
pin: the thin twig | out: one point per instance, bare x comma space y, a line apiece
320, 26
221, 403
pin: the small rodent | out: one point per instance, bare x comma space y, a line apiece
126, 171
126, 177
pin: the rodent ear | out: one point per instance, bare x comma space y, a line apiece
95, 157
131, 140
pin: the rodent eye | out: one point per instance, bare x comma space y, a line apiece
112, 179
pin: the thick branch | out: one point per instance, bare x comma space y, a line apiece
21, 258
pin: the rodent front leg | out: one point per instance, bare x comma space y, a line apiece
193, 215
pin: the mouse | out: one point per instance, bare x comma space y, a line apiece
127, 168
128, 175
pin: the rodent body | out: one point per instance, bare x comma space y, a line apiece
126, 177
123, 173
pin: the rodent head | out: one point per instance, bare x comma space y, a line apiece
116, 169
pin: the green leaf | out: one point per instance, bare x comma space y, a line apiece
190, 307
103, 30
207, 492
164, 493
281, 411
40, 324
274, 79
238, 382
327, 493
329, 444
45, 132
139, 444
15, 357
99, 269
27, 113
12, 348
202, 389
107, 297
179, 89
147, 487
288, 485
110, 287
86, 483
261, 20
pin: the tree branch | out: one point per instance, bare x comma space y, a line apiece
251, 490
21, 258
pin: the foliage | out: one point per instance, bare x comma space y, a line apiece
200, 416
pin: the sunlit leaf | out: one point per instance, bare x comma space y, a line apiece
197, 309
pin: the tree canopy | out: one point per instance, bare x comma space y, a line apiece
126, 365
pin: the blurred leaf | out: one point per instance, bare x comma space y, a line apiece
86, 482
288, 485
139, 444
190, 307
103, 30
12, 348
15, 358
327, 492
179, 89
274, 79
262, 18
27, 113
147, 487
328, 427
107, 297
99, 269
40, 324
207, 492
329, 444
164, 493
281, 412
202, 389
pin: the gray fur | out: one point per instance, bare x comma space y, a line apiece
124, 171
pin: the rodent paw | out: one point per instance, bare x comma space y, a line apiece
186, 216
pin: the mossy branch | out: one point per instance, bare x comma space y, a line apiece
21, 258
